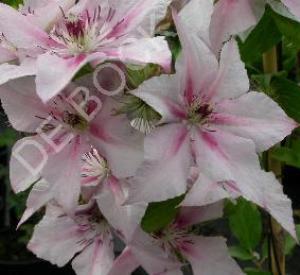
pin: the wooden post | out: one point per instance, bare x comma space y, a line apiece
270, 63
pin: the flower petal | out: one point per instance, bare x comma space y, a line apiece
197, 15
254, 116
6, 55
66, 177
11, 72
57, 238
144, 51
140, 16
239, 174
38, 197
116, 140
231, 17
124, 264
198, 65
210, 256
20, 31
27, 161
55, 73
165, 171
232, 79
162, 94
124, 218
293, 6
23, 107
96, 259
189, 216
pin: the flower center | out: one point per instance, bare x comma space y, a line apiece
83, 33
198, 112
172, 240
95, 168
75, 121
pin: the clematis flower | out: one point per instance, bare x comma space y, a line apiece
90, 31
62, 131
213, 125
166, 251
15, 61
86, 238
231, 17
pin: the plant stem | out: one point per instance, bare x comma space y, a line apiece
270, 63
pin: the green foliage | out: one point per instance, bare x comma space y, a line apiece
287, 94
160, 214
240, 253
255, 46
246, 225
136, 76
290, 243
252, 271
8, 137
269, 32
13, 3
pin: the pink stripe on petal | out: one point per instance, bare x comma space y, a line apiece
213, 144
178, 141
100, 133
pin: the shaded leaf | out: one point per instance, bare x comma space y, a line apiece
246, 224
160, 214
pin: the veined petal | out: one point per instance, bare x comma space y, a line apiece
144, 51
197, 15
205, 191
231, 17
162, 93
6, 55
57, 238
66, 177
124, 264
189, 216
27, 161
96, 259
11, 72
210, 256
198, 65
254, 116
47, 13
20, 31
294, 7
165, 170
125, 219
23, 107
116, 140
55, 73
232, 79
138, 16
239, 174
39, 196
151, 256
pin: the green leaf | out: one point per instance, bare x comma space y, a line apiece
136, 76
287, 155
289, 28
160, 214
269, 32
287, 94
253, 271
290, 243
8, 137
13, 3
246, 224
263, 37
240, 253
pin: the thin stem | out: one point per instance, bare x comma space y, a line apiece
270, 63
